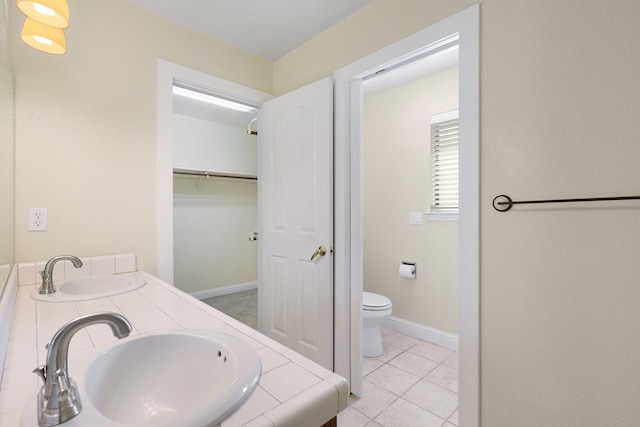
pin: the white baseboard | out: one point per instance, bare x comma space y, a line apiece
225, 290
425, 333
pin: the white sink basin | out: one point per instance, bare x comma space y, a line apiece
186, 378
92, 287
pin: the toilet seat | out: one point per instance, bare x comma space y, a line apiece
375, 302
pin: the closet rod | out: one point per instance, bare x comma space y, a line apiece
204, 174
503, 203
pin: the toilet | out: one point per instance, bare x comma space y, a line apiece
375, 308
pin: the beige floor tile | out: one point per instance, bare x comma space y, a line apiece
414, 364
453, 419
431, 351
373, 424
392, 379
353, 399
452, 361
445, 376
389, 352
405, 414
399, 340
352, 418
374, 401
433, 398
369, 365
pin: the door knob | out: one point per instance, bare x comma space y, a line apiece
322, 251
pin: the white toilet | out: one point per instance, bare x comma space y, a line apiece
375, 308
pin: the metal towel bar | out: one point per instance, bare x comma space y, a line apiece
503, 203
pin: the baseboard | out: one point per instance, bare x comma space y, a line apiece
225, 290
425, 333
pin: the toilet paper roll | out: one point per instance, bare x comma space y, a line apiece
407, 271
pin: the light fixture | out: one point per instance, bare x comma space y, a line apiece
43, 37
210, 99
54, 13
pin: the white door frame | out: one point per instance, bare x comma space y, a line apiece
167, 73
348, 201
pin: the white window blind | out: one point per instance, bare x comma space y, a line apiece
444, 162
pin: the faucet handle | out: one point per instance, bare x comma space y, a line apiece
41, 371
63, 384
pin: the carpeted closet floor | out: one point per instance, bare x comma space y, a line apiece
242, 306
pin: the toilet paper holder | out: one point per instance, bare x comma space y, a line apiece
410, 263
412, 269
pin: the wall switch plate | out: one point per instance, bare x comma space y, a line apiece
415, 218
38, 219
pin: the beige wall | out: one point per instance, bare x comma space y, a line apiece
559, 284
397, 181
212, 221
86, 126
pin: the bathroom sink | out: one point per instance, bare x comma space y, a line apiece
92, 287
185, 378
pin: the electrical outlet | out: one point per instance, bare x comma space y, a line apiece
38, 219
415, 218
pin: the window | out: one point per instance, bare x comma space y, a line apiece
444, 164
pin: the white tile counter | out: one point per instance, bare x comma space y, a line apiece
293, 391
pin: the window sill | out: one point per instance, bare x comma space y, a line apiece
441, 216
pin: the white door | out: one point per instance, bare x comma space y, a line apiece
295, 198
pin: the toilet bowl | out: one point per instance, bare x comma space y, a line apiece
375, 308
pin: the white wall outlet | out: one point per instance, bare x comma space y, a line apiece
415, 218
38, 219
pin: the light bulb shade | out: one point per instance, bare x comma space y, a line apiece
54, 13
43, 37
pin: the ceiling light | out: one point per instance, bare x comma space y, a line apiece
43, 37
54, 13
209, 99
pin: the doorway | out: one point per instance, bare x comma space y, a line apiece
410, 203
463, 27
168, 74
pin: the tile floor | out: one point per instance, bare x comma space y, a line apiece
413, 383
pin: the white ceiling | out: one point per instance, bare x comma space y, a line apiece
267, 28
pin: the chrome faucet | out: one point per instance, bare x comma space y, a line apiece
58, 399
47, 274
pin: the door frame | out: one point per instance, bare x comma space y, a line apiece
168, 72
348, 201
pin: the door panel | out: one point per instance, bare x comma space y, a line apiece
296, 200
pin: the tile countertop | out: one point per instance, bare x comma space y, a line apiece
293, 391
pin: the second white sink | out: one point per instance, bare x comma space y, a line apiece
93, 287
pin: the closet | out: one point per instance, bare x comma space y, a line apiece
215, 194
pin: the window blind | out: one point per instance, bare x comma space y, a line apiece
444, 164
